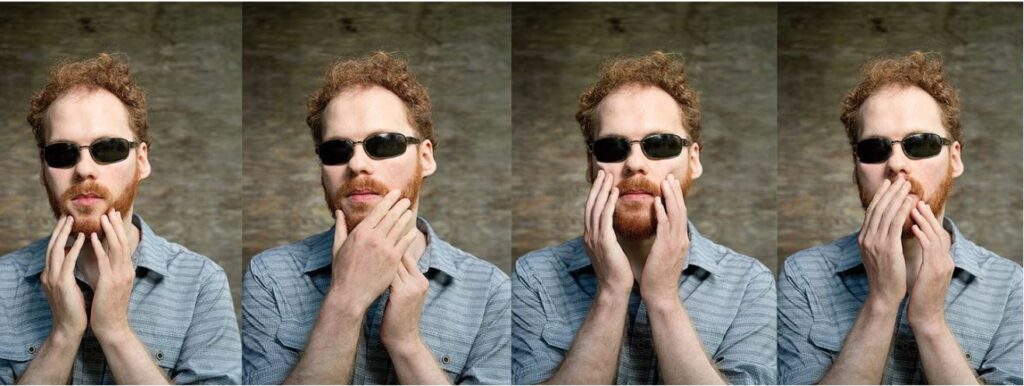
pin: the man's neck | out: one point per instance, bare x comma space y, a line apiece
87, 263
636, 251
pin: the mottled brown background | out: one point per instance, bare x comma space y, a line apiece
460, 52
820, 50
730, 54
187, 57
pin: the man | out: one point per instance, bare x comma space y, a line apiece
104, 299
380, 298
908, 299
642, 297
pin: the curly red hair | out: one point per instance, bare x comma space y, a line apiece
378, 69
917, 69
105, 72
658, 70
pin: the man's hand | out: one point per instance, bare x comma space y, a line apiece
67, 305
400, 330
880, 245
109, 316
366, 261
610, 263
926, 309
660, 278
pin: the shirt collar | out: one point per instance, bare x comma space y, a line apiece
436, 255
703, 253
151, 253
963, 251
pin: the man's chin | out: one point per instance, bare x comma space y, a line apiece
634, 224
87, 224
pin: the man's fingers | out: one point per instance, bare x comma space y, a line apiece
381, 208
597, 212
886, 211
340, 231
869, 213
400, 228
102, 261
392, 216
56, 232
118, 222
659, 213
896, 225
932, 221
669, 196
595, 189
406, 241
607, 215
113, 244
72, 258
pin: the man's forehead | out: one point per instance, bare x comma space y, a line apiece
84, 114
895, 111
358, 112
636, 111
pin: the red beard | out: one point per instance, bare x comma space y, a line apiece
936, 201
637, 220
357, 211
87, 219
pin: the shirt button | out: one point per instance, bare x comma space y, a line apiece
642, 345
446, 359
31, 349
968, 355
159, 355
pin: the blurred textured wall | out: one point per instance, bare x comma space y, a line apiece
187, 58
821, 47
730, 59
460, 52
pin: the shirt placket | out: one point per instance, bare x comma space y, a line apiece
90, 364
375, 359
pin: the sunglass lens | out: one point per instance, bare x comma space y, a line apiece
61, 155
662, 146
922, 145
110, 150
335, 152
385, 145
611, 149
873, 150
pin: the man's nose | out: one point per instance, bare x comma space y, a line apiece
636, 162
898, 163
86, 168
361, 163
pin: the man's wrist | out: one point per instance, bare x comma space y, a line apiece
62, 340
405, 349
341, 305
881, 306
928, 328
663, 303
113, 338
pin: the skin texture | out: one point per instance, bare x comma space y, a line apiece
380, 252
82, 116
656, 263
917, 265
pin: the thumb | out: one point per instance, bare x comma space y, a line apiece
340, 231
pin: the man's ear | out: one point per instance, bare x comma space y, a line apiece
426, 157
696, 169
955, 159
143, 160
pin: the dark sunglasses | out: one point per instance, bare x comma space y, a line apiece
654, 146
104, 151
915, 146
377, 146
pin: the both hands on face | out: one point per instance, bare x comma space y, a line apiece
664, 264
882, 253
109, 315
373, 257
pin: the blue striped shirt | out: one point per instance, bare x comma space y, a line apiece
465, 320
180, 308
729, 297
822, 290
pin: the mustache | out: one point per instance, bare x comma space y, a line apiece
635, 184
91, 188
364, 184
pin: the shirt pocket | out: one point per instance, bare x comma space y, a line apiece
294, 334
451, 352
15, 358
825, 335
558, 334
164, 349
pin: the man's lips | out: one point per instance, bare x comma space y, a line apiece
635, 195
87, 199
363, 196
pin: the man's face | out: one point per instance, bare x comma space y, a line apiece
88, 189
635, 112
894, 112
356, 187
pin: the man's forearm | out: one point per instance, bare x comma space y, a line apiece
416, 365
681, 357
331, 349
129, 360
54, 361
862, 358
594, 355
942, 358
